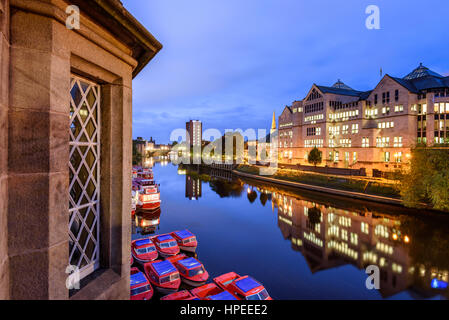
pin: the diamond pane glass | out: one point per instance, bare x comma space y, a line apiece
84, 168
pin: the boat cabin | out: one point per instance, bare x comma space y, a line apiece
144, 250
166, 245
191, 270
243, 288
163, 275
140, 286
186, 240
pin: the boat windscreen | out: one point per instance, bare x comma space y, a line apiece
196, 271
262, 295
140, 290
168, 244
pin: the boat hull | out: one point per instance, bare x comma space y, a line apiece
166, 291
140, 261
149, 205
167, 255
188, 249
193, 283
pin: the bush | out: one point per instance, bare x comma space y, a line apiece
428, 179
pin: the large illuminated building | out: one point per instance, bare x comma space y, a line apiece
367, 129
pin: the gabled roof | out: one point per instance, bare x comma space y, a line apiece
343, 92
405, 83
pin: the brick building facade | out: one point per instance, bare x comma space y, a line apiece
374, 129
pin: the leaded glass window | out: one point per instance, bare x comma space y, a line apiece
84, 170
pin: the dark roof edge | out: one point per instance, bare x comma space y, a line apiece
142, 36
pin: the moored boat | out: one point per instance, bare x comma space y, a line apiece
166, 245
242, 288
221, 296
207, 290
192, 271
149, 196
143, 250
140, 286
180, 295
186, 240
163, 276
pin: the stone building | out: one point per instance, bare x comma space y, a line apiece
65, 146
368, 129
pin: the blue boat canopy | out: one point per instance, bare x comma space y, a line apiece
138, 278
223, 296
164, 267
143, 242
247, 284
184, 234
165, 237
190, 263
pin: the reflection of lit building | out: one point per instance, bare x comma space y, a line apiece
146, 222
193, 188
329, 237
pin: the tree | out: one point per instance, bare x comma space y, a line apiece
137, 157
315, 156
427, 181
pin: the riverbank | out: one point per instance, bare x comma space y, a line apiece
363, 189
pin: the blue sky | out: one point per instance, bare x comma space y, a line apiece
232, 63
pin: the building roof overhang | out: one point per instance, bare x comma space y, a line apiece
113, 16
141, 46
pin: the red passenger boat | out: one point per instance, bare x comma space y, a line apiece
163, 276
242, 288
186, 240
192, 271
143, 250
149, 196
166, 245
140, 286
180, 295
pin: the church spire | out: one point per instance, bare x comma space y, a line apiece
273, 124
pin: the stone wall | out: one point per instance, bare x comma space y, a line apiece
40, 55
4, 84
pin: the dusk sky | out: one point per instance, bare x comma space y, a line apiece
232, 63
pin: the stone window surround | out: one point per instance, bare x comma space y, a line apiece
111, 269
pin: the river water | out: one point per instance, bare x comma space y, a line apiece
302, 245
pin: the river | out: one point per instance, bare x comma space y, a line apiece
302, 245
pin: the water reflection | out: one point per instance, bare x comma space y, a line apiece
146, 222
334, 238
407, 250
193, 187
